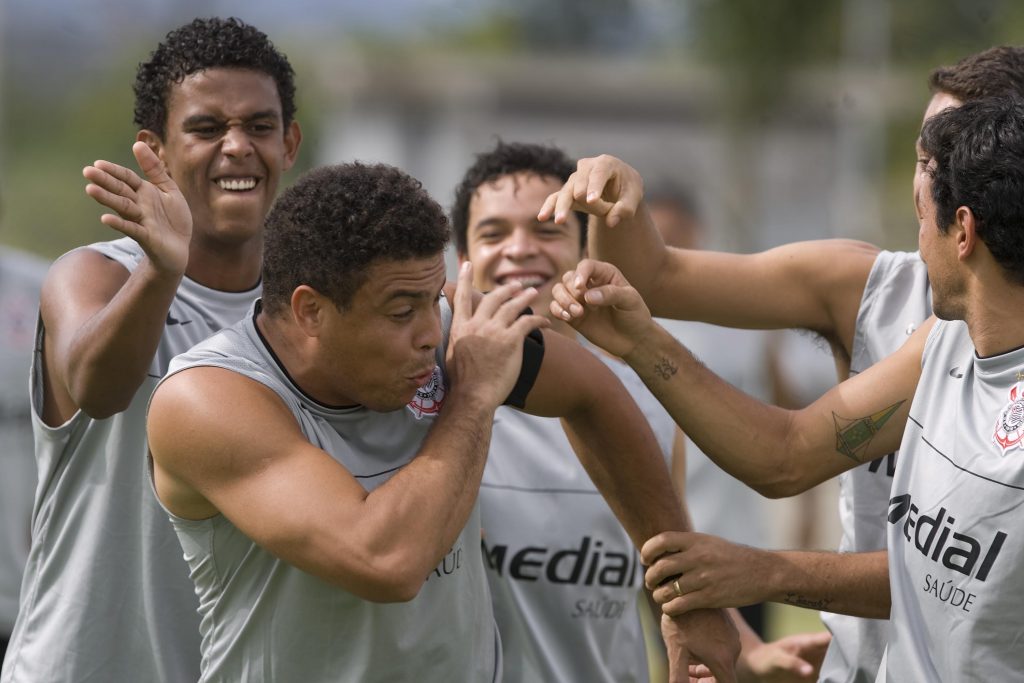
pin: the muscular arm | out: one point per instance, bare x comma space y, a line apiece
778, 452
814, 285
783, 452
102, 327
257, 468
102, 324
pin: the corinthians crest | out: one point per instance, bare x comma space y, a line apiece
429, 398
1010, 423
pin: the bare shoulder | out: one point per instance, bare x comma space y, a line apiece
205, 419
79, 278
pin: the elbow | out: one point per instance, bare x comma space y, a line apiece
783, 481
102, 407
387, 580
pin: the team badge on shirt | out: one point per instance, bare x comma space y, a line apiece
1010, 423
429, 398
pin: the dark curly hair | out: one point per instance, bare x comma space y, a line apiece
998, 71
335, 222
978, 162
507, 159
206, 44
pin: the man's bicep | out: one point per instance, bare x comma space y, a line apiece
78, 285
233, 443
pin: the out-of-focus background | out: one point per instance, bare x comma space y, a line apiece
789, 119
784, 120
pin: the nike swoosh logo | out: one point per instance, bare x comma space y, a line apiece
171, 320
955, 373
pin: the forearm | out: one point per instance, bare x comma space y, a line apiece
749, 439
845, 583
617, 448
417, 516
635, 246
107, 357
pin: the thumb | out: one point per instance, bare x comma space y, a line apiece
152, 167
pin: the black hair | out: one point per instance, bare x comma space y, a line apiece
335, 222
977, 160
207, 44
508, 158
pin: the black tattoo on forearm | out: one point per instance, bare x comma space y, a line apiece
803, 601
666, 368
854, 434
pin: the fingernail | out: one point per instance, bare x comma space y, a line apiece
592, 196
464, 268
565, 315
578, 283
560, 216
594, 297
576, 309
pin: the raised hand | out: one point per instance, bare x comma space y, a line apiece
602, 186
152, 211
486, 341
598, 301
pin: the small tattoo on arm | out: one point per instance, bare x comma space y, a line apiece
666, 368
854, 434
802, 601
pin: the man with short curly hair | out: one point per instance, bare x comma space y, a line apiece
325, 490
106, 595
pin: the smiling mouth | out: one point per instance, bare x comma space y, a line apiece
237, 184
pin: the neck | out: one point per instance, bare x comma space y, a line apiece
227, 268
297, 353
993, 327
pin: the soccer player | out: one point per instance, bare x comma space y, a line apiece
321, 459
106, 595
953, 559
863, 301
577, 619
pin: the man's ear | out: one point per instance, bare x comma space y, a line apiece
307, 307
965, 227
292, 141
153, 141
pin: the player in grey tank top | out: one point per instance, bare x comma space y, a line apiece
954, 562
564, 575
818, 286
106, 595
21, 277
325, 488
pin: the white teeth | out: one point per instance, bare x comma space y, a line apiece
237, 184
526, 280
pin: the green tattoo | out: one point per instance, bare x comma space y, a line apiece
854, 434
